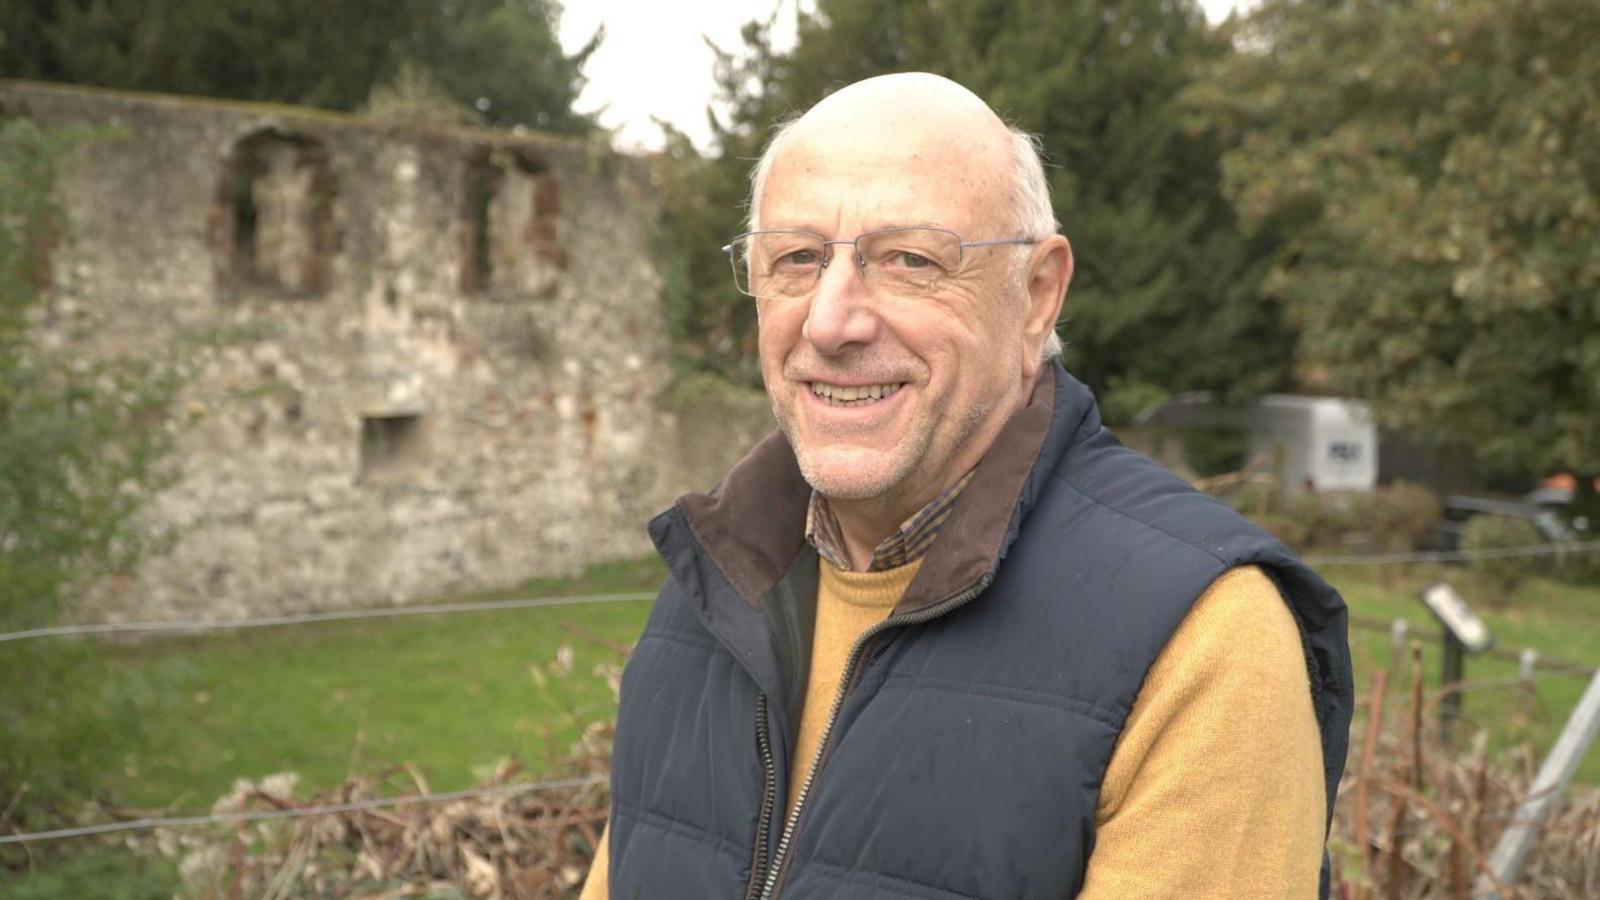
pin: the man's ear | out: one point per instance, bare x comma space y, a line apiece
1049, 273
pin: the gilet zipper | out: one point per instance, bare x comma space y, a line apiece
769, 796
771, 878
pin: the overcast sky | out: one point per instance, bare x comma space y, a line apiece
654, 61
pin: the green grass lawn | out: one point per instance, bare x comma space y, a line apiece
448, 694
95, 872
452, 694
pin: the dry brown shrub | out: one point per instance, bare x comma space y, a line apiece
1417, 818
507, 843
507, 846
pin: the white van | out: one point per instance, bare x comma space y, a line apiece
1316, 443
1308, 443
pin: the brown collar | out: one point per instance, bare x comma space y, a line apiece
753, 525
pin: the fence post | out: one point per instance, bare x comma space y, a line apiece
1527, 662
1554, 776
1452, 674
1464, 633
1398, 631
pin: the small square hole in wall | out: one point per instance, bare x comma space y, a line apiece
389, 442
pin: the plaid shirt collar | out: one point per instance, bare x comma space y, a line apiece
906, 544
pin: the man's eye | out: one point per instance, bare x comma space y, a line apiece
907, 262
797, 259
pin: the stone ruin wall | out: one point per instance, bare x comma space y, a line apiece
425, 361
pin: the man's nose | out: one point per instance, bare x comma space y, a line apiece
841, 311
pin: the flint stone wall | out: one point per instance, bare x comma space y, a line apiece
425, 361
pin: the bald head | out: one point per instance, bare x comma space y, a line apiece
913, 92
923, 116
914, 118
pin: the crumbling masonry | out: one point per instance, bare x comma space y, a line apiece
428, 361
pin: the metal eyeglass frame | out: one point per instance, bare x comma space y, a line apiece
855, 255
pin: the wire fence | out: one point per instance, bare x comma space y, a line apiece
301, 812
1555, 666
1389, 559
205, 625
312, 617
210, 625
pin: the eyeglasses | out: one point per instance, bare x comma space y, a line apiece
902, 261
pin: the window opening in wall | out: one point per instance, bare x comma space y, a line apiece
244, 219
483, 182
511, 226
390, 441
281, 233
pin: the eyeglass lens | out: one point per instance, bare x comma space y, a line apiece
782, 264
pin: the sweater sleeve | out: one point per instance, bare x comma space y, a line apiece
598, 885
1215, 787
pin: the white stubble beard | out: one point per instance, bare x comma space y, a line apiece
887, 488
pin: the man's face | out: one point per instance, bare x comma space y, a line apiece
891, 396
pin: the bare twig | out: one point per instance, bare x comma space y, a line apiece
618, 647
1369, 747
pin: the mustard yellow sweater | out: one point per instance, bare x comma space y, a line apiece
1215, 787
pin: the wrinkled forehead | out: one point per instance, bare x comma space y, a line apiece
908, 165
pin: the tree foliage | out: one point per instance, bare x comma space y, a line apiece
501, 57
1167, 290
81, 449
1434, 168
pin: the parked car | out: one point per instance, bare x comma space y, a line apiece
1555, 493
1446, 533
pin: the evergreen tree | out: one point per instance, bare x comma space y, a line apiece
1167, 295
500, 57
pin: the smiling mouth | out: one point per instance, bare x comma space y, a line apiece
839, 395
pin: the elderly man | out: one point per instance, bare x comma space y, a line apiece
942, 636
